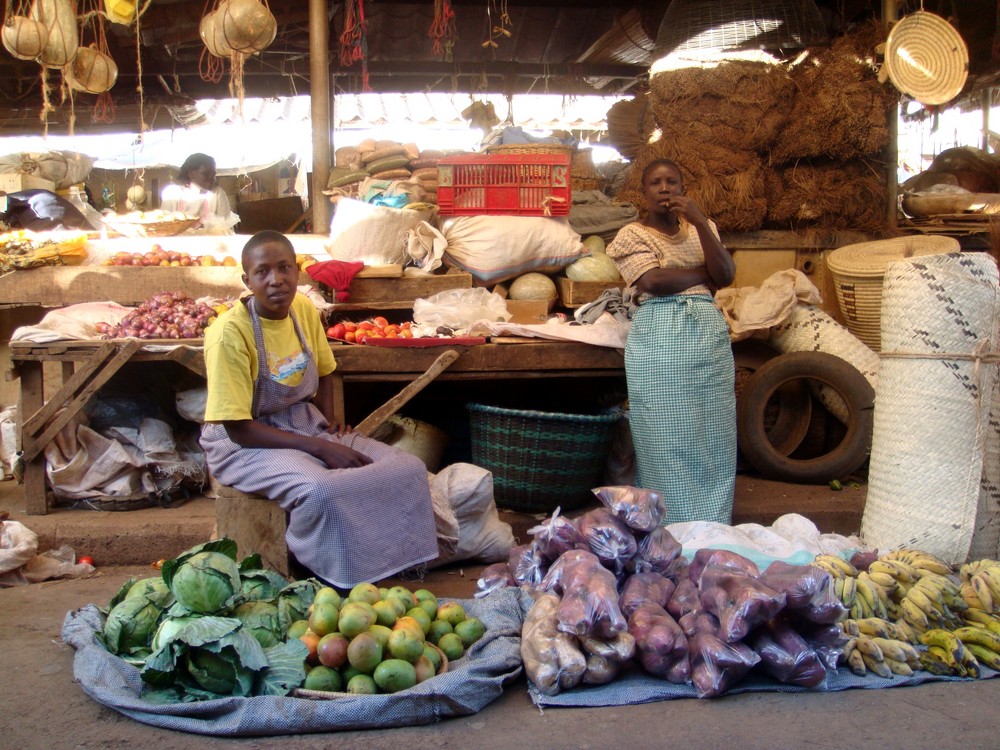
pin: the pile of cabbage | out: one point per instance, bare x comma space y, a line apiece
209, 627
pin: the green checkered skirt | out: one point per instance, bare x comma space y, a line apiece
682, 406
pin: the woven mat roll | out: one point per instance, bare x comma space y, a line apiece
808, 329
929, 441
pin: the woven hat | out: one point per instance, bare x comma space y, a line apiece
926, 58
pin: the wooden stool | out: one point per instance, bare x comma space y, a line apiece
255, 523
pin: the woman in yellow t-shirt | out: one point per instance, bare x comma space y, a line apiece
359, 510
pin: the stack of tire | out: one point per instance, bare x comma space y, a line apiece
783, 431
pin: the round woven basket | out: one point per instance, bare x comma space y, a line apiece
935, 450
530, 148
152, 228
858, 270
540, 460
927, 58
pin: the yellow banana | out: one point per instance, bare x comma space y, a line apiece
837, 563
850, 627
878, 666
983, 591
992, 578
927, 561
838, 586
970, 665
891, 649
946, 641
884, 580
978, 617
934, 595
901, 571
971, 597
909, 652
990, 658
874, 626
914, 615
899, 667
979, 636
856, 662
942, 655
850, 592
934, 665
866, 590
867, 646
925, 605
904, 631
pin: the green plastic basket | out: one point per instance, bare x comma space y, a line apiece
540, 460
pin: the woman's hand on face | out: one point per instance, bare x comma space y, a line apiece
338, 456
682, 205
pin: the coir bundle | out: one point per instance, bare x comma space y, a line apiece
727, 184
739, 104
839, 109
827, 195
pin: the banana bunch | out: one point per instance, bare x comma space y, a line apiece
980, 585
921, 596
982, 639
878, 627
856, 590
880, 655
836, 566
947, 654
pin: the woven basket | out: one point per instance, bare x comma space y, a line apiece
530, 148
540, 460
586, 183
152, 228
934, 445
858, 271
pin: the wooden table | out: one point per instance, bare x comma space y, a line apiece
87, 365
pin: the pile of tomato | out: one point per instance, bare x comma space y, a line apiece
373, 328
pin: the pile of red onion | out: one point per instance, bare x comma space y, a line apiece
167, 315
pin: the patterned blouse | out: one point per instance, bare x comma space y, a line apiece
638, 248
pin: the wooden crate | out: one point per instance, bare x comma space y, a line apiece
374, 292
576, 293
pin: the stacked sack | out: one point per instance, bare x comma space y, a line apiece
385, 162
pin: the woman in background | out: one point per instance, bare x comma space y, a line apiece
678, 357
197, 193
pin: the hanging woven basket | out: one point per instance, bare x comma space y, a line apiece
91, 71
211, 33
63, 38
24, 37
927, 58
247, 25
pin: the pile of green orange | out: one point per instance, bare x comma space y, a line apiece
381, 640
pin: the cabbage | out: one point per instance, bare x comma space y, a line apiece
205, 578
200, 658
155, 589
594, 243
597, 267
532, 286
262, 620
130, 626
261, 585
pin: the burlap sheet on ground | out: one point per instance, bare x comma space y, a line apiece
469, 684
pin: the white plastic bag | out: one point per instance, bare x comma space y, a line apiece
8, 441
19, 563
460, 308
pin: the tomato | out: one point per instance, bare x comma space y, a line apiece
362, 337
350, 336
379, 321
84, 559
391, 328
350, 325
336, 331
406, 333
365, 325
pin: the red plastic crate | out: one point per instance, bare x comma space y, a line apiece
507, 184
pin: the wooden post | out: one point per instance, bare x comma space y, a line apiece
889, 17
319, 94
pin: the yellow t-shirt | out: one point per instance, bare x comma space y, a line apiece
231, 356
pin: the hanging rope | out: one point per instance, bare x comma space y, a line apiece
104, 108
442, 31
354, 39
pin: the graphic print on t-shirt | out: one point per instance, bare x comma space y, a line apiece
288, 369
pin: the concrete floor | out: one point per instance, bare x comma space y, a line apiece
43, 708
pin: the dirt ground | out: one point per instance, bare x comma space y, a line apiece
44, 708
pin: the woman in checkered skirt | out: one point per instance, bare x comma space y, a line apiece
678, 357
